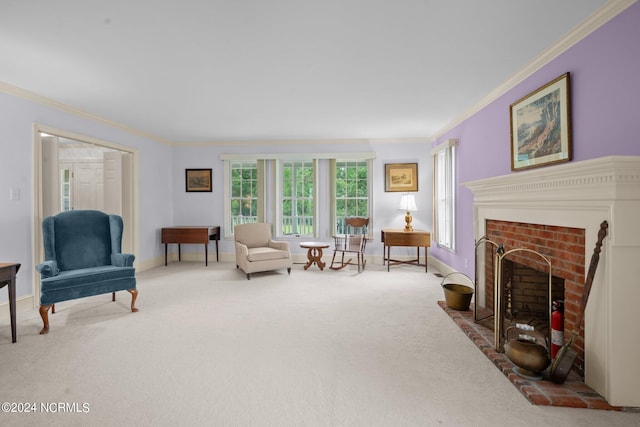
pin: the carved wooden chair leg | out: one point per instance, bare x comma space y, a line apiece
113, 296
134, 295
44, 313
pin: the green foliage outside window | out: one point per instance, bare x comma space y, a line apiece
244, 192
352, 192
297, 198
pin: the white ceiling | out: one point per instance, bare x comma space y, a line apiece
213, 70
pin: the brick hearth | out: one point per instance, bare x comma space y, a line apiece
573, 393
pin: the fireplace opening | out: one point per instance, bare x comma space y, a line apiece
526, 296
563, 247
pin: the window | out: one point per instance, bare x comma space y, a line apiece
298, 195
302, 194
65, 189
244, 192
444, 185
351, 191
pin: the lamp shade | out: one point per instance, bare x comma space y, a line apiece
408, 203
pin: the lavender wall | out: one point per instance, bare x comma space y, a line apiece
605, 89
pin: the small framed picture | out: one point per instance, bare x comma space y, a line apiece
541, 126
198, 180
401, 177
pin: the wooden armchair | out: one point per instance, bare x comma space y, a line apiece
353, 242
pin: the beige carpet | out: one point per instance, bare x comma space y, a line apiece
209, 348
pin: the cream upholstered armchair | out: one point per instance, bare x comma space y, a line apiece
256, 251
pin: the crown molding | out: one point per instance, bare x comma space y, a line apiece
314, 142
48, 102
603, 15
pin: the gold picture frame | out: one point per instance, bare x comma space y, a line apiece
541, 126
198, 180
401, 177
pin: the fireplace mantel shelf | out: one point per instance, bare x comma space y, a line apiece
595, 180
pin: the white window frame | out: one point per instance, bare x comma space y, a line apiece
228, 218
270, 188
281, 197
333, 189
444, 194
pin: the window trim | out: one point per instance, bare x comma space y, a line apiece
333, 195
270, 185
260, 168
280, 198
449, 149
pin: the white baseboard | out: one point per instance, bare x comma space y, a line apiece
23, 304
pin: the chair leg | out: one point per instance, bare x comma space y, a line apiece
248, 276
53, 309
113, 296
289, 270
44, 313
134, 296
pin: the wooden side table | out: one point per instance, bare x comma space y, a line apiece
418, 239
187, 234
314, 253
8, 273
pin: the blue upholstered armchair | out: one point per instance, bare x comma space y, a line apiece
83, 258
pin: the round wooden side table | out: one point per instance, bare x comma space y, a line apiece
314, 253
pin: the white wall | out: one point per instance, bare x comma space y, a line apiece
162, 200
17, 117
207, 208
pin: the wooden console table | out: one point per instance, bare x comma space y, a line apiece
393, 237
189, 234
8, 271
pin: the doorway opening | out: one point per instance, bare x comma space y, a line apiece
73, 172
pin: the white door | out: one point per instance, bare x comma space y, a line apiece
88, 185
113, 182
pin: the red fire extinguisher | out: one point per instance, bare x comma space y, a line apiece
557, 327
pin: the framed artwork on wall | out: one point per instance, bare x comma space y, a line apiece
401, 177
198, 180
541, 126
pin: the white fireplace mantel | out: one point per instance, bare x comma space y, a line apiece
582, 195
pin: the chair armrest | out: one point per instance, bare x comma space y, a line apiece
242, 249
275, 244
48, 269
122, 260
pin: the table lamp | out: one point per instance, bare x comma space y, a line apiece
408, 204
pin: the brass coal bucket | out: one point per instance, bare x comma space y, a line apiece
457, 295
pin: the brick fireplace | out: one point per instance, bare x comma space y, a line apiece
561, 208
528, 274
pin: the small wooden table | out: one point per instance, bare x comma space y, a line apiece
314, 253
191, 234
393, 237
8, 271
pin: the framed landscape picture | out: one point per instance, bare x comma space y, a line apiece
541, 126
198, 180
401, 177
